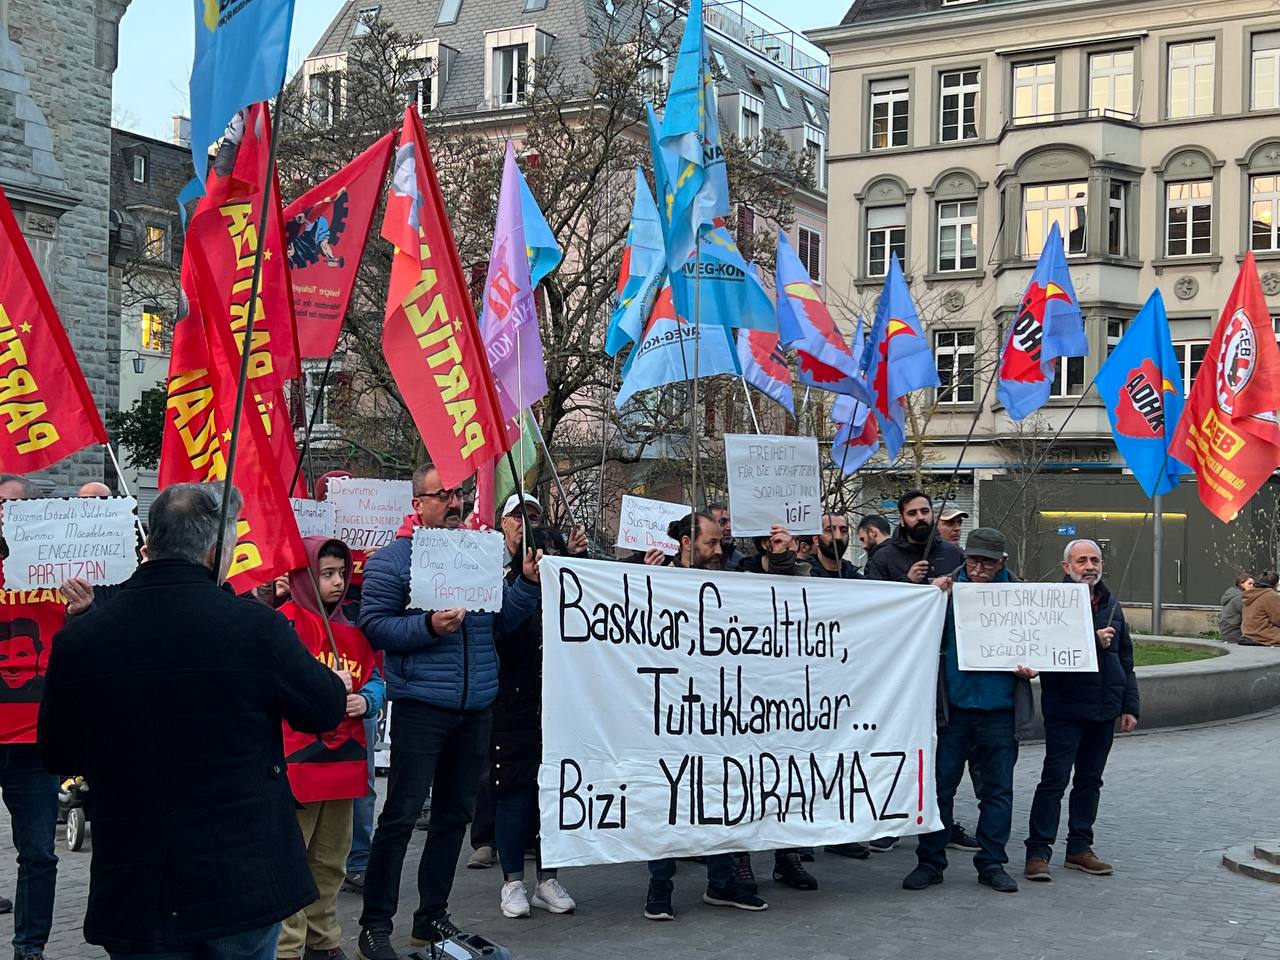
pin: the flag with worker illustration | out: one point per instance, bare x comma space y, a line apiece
824, 359
644, 265
764, 366
1048, 326
857, 437
1141, 385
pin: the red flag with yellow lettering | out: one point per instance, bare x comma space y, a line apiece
46, 409
430, 338
1228, 432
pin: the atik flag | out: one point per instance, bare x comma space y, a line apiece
430, 338
242, 49
804, 322
508, 312
1141, 385
644, 264
1228, 431
326, 230
764, 366
900, 358
1048, 326
539, 239
46, 408
857, 438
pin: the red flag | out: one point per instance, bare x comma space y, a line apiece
1228, 432
29, 620
46, 409
326, 230
431, 339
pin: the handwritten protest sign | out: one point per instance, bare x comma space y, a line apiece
53, 541
643, 524
772, 480
455, 569
1045, 626
687, 712
316, 518
367, 513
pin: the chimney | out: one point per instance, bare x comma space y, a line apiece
181, 131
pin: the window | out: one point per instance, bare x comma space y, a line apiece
958, 235
958, 112
1117, 241
1190, 354
1189, 218
782, 95
154, 242
815, 145
811, 111
1068, 377
152, 329
953, 350
365, 17
809, 243
1033, 91
718, 61
510, 69
1111, 83
317, 398
1191, 79
533, 6
1266, 71
653, 75
750, 109
1115, 332
1264, 198
756, 83
449, 10
419, 77
1050, 203
325, 90
886, 234
139, 168
889, 109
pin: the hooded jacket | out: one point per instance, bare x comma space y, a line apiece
1109, 692
1231, 615
894, 557
456, 671
1261, 621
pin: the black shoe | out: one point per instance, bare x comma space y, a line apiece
34, 955
423, 821
961, 840
806, 854
743, 875
6, 905
854, 851
657, 905
433, 931
788, 869
375, 944
733, 896
920, 878
353, 882
999, 881
883, 844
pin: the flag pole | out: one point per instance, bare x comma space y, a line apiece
125, 487
697, 340
250, 316
750, 406
324, 617
604, 445
555, 474
1157, 532
311, 422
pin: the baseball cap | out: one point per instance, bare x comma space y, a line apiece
953, 514
513, 501
986, 542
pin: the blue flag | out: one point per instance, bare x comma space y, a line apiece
242, 48
764, 366
644, 265
727, 289
539, 240
1048, 326
804, 322
1141, 385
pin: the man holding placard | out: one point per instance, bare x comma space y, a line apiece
902, 556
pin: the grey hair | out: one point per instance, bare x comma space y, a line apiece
182, 523
1066, 554
29, 489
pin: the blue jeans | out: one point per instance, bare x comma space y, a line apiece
257, 944
1083, 745
989, 734
719, 870
31, 794
362, 809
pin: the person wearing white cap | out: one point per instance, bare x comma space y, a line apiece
949, 523
518, 508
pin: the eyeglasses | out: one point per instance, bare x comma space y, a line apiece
983, 562
444, 496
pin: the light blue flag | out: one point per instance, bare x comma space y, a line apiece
242, 49
644, 265
727, 289
539, 239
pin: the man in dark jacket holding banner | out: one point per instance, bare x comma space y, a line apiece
1080, 712
442, 675
902, 557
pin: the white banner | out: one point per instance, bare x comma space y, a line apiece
1045, 626
642, 524
688, 713
367, 513
85, 538
772, 480
316, 518
455, 569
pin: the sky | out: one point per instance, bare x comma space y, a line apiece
156, 44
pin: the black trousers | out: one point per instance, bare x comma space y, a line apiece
1082, 745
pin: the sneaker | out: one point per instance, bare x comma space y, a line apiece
441, 928
788, 869
657, 905
743, 875
335, 953
920, 878
482, 859
1087, 862
854, 851
1037, 869
375, 944
549, 895
962, 840
999, 881
883, 844
733, 896
515, 899
6, 905
353, 882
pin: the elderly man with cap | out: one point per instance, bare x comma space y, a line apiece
949, 523
980, 711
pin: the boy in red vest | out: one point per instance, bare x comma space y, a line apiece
327, 772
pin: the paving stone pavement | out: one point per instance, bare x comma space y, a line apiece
1173, 801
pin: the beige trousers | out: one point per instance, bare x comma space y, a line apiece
326, 831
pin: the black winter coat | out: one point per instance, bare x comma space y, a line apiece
895, 556
515, 746
168, 699
1104, 695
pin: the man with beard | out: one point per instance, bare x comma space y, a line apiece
872, 532
1080, 711
902, 558
732, 557
827, 559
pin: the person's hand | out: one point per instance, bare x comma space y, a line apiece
357, 705
655, 557
577, 541
447, 621
919, 570
779, 539
943, 584
281, 587
1025, 673
1128, 723
531, 561
1105, 636
345, 677
79, 594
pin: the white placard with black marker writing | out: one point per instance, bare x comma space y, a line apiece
368, 513
642, 524
1044, 626
79, 538
316, 518
772, 480
455, 569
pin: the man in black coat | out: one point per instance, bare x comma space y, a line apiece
169, 701
902, 558
1080, 712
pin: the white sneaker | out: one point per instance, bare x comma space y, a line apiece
515, 899
549, 895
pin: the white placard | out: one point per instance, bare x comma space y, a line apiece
643, 523
53, 541
772, 480
316, 518
687, 712
1045, 626
367, 513
456, 569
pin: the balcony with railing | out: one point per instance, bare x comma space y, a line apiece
751, 27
